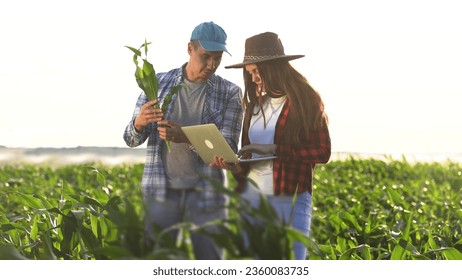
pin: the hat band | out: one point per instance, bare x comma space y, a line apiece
258, 57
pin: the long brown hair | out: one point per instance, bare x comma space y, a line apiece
306, 110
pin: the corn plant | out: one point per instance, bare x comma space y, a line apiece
147, 80
387, 209
75, 225
363, 209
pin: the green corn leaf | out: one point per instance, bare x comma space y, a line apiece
8, 252
137, 52
365, 252
147, 80
34, 229
168, 145
30, 200
407, 229
145, 75
169, 97
452, 254
145, 46
341, 244
404, 244
94, 225
86, 200
167, 100
350, 219
152, 84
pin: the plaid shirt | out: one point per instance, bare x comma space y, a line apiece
222, 107
295, 164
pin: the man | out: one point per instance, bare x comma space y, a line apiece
175, 182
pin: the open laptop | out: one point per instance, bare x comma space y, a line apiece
209, 142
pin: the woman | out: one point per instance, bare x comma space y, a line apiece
283, 116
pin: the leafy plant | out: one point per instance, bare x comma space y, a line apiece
363, 209
147, 80
146, 75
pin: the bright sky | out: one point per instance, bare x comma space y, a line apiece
389, 71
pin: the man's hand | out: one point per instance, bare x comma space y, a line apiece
170, 131
147, 115
221, 163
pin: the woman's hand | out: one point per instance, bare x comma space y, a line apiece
246, 151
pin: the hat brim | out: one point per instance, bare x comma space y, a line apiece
254, 61
213, 46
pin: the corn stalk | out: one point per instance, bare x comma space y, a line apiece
147, 80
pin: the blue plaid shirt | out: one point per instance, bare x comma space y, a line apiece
222, 107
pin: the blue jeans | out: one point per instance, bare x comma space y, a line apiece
282, 205
185, 206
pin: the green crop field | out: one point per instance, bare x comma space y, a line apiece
363, 209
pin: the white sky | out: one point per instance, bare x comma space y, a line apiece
389, 71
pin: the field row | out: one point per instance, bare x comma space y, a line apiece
362, 209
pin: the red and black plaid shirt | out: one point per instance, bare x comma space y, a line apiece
295, 164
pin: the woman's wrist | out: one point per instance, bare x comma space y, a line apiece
275, 150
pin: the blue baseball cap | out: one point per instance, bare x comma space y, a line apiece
211, 36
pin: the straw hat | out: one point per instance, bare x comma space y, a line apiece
263, 47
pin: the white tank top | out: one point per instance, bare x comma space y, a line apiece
261, 172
